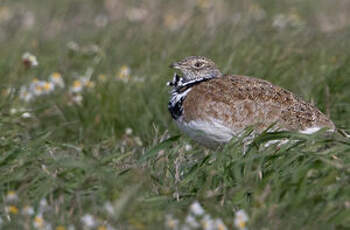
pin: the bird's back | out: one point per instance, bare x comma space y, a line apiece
239, 101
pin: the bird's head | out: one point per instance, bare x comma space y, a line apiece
195, 68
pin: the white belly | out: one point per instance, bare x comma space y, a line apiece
208, 133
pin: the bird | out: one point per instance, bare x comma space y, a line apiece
212, 107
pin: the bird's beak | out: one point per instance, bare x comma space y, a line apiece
174, 65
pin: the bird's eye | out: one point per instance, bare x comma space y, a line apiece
198, 64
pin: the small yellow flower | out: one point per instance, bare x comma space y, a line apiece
39, 87
38, 221
38, 90
77, 86
12, 209
60, 227
221, 227
207, 222
124, 72
56, 75
241, 224
11, 196
90, 84
102, 77
56, 79
220, 224
171, 222
241, 220
205, 4
47, 87
102, 227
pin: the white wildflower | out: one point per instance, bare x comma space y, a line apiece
219, 224
48, 226
26, 115
171, 222
29, 60
241, 219
77, 86
295, 20
72, 45
28, 210
136, 14
47, 87
188, 147
25, 94
192, 222
36, 87
11, 196
43, 205
109, 227
128, 131
207, 223
88, 220
13, 111
56, 79
280, 21
138, 141
77, 98
38, 221
197, 209
101, 20
109, 208
124, 73
257, 12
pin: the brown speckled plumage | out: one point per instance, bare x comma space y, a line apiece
211, 107
242, 101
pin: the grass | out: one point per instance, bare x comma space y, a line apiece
78, 157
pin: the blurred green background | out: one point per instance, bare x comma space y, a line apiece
101, 137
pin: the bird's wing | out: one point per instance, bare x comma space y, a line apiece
241, 101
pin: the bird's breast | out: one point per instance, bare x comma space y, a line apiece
209, 132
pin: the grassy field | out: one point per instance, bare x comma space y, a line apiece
86, 141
